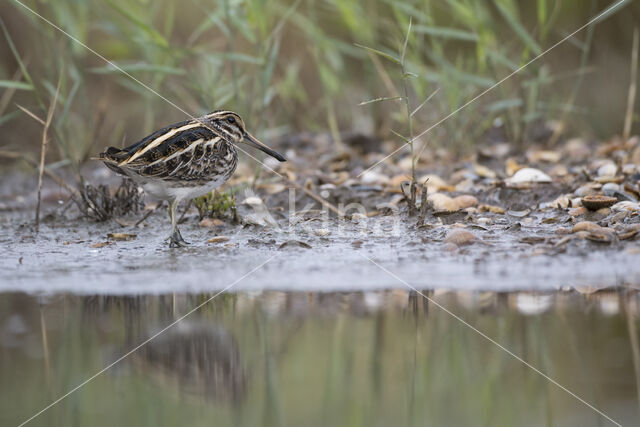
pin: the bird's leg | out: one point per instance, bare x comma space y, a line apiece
176, 240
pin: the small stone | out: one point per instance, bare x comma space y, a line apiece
587, 190
595, 202
609, 169
518, 213
442, 203
548, 156
585, 226
450, 247
294, 244
465, 201
211, 222
460, 237
578, 211
491, 208
434, 183
374, 178
483, 221
625, 206
322, 232
610, 189
602, 235
484, 172
252, 201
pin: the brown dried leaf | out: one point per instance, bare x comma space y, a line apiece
121, 236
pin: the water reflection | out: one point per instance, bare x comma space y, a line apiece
198, 357
203, 358
277, 358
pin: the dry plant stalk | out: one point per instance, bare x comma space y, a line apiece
631, 99
318, 199
43, 150
424, 205
99, 204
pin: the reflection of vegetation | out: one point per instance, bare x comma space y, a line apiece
203, 358
320, 359
217, 204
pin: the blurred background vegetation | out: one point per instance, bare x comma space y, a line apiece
289, 66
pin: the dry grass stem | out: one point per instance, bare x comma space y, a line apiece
32, 115
43, 149
319, 199
631, 100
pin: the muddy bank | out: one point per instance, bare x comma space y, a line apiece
78, 256
500, 220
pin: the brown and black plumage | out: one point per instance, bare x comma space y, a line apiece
185, 160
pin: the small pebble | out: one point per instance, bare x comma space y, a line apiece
460, 237
609, 169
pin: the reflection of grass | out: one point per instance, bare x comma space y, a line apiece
332, 365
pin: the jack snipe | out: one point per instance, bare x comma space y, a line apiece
185, 160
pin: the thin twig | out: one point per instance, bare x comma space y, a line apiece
43, 150
147, 214
631, 100
30, 114
318, 199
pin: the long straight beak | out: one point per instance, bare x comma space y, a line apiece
250, 140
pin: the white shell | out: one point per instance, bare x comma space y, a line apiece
528, 175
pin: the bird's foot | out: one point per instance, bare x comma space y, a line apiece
176, 240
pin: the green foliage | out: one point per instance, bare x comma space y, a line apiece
286, 65
216, 205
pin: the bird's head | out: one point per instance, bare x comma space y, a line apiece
232, 127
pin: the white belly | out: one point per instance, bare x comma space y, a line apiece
163, 191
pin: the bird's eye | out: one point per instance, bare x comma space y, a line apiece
231, 119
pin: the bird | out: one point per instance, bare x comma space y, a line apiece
185, 160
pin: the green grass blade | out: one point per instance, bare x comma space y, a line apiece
11, 84
509, 13
14, 50
150, 31
446, 33
406, 41
504, 104
380, 53
132, 68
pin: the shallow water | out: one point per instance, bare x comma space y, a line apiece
61, 257
300, 358
328, 332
